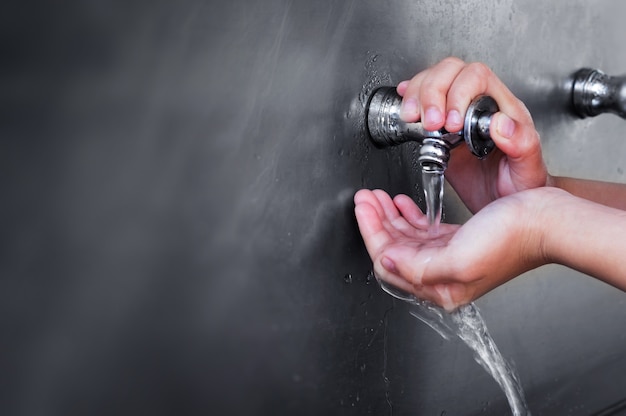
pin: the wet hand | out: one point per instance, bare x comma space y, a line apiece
460, 263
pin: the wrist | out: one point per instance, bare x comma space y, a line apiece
558, 214
543, 207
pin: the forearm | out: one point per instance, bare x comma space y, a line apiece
605, 193
585, 236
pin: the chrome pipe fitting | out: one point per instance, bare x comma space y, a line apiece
594, 93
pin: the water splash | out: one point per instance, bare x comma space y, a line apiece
468, 325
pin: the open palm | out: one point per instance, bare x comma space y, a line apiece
453, 267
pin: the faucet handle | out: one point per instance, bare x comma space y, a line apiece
594, 92
476, 127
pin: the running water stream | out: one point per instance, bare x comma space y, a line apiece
465, 322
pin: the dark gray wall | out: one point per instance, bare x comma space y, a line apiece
177, 228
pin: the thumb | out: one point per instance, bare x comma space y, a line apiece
519, 141
503, 132
516, 139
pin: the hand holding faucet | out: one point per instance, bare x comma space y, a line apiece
441, 95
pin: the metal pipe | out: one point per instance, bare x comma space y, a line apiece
594, 93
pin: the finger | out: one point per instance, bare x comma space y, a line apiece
368, 196
395, 221
410, 111
477, 79
372, 230
524, 164
364, 195
401, 88
411, 212
515, 139
386, 203
434, 91
471, 82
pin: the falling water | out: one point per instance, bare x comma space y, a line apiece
466, 322
433, 192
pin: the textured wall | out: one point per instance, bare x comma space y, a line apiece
177, 228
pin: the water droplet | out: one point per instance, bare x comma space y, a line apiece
347, 278
369, 278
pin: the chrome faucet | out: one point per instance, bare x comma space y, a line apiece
594, 92
386, 129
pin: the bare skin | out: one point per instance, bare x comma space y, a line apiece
506, 238
523, 220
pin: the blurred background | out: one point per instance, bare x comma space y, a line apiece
177, 229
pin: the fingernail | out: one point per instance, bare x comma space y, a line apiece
454, 118
409, 109
432, 116
506, 126
389, 265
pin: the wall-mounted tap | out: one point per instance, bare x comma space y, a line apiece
386, 129
594, 92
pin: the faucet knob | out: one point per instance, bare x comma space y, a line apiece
594, 92
476, 127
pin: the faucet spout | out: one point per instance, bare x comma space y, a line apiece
434, 155
594, 93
